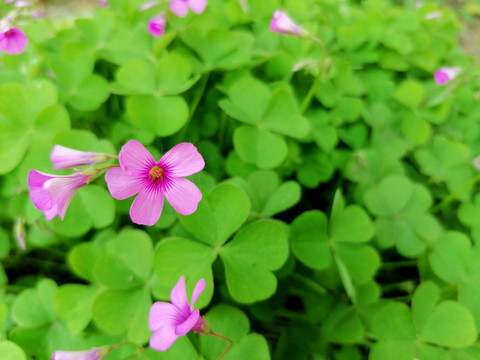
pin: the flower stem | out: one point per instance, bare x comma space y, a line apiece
308, 98
457, 193
227, 349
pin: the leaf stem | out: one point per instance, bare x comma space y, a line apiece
457, 193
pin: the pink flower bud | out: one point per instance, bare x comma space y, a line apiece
283, 24
64, 158
157, 25
446, 74
13, 41
93, 354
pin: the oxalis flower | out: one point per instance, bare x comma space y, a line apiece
52, 193
157, 25
180, 7
13, 41
93, 354
168, 321
446, 74
140, 174
64, 158
282, 23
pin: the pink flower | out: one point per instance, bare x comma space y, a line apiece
157, 25
180, 7
64, 158
140, 174
93, 354
52, 193
283, 24
103, 3
13, 41
446, 74
168, 321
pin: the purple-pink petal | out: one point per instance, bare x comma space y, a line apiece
188, 324
179, 7
183, 195
64, 158
62, 189
121, 184
38, 178
199, 288
13, 41
147, 207
157, 25
135, 158
197, 6
182, 160
77, 355
178, 296
40, 198
163, 314
163, 338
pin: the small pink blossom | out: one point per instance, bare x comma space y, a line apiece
157, 25
283, 24
93, 354
168, 321
22, 3
446, 74
64, 158
180, 7
13, 41
52, 193
152, 180
103, 3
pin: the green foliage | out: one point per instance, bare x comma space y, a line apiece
339, 212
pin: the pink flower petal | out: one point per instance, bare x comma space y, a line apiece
13, 41
178, 296
38, 178
163, 314
135, 158
163, 338
179, 8
188, 324
199, 288
197, 6
182, 160
156, 26
121, 184
183, 195
147, 207
64, 158
62, 190
40, 198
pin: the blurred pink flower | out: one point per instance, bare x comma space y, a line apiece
103, 3
168, 321
13, 41
52, 193
180, 7
157, 25
93, 354
64, 158
140, 174
282, 23
446, 74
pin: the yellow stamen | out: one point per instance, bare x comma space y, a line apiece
156, 172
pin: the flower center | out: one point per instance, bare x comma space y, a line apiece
156, 173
